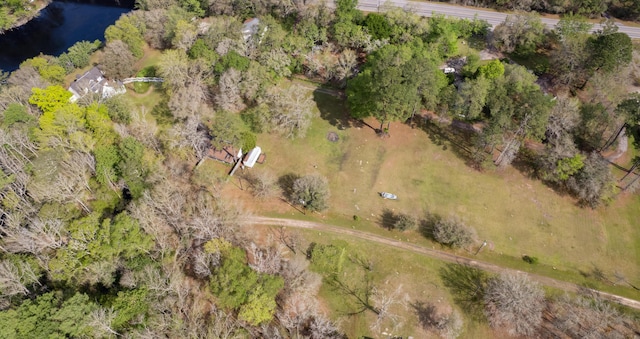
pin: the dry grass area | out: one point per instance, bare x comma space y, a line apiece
517, 215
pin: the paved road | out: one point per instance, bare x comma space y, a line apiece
493, 18
440, 255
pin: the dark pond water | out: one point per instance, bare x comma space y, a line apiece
58, 27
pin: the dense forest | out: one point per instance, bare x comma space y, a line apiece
626, 10
107, 229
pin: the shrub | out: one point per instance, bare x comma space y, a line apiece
312, 192
452, 232
530, 260
404, 222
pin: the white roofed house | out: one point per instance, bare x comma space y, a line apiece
94, 81
249, 28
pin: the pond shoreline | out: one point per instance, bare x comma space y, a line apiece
42, 4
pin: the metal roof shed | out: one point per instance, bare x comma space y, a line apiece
251, 157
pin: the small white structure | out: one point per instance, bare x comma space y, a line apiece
249, 28
251, 157
94, 81
448, 70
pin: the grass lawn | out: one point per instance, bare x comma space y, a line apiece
515, 214
419, 277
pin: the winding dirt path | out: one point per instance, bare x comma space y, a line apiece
436, 254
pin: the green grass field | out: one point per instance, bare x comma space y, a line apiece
515, 214
420, 280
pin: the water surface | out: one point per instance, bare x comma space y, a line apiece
57, 28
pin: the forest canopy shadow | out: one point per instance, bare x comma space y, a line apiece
334, 110
467, 285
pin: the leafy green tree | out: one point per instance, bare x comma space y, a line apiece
66, 127
15, 113
77, 56
328, 259
518, 110
392, 84
129, 30
200, 49
494, 69
49, 316
472, 97
239, 287
47, 69
567, 167
50, 99
128, 306
107, 158
98, 248
131, 166
232, 60
520, 33
346, 30
377, 26
610, 51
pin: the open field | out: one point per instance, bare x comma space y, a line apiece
515, 214
419, 277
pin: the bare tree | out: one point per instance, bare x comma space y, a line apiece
291, 111
514, 302
184, 80
264, 260
262, 184
288, 238
586, 317
447, 324
228, 96
14, 279
117, 60
101, 320
384, 302
34, 238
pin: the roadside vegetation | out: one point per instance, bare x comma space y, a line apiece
115, 222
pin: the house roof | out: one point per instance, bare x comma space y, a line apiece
94, 81
250, 27
251, 157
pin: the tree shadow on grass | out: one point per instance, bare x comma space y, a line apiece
332, 109
388, 219
460, 140
427, 225
467, 285
285, 182
427, 314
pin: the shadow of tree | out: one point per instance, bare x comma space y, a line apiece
427, 314
388, 219
332, 109
162, 113
427, 225
285, 182
461, 141
467, 285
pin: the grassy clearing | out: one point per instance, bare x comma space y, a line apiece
515, 214
421, 282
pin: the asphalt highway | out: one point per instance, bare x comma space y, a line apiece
492, 17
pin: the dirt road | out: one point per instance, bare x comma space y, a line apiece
436, 254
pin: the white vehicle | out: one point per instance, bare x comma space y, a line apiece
386, 195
